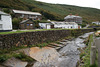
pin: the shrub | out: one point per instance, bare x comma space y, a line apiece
15, 22
4, 58
6, 10
83, 25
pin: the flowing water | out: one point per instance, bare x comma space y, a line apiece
68, 55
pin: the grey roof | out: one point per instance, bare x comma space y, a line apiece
2, 13
24, 21
46, 23
72, 16
64, 23
26, 12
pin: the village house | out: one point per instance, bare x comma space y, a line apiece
66, 25
46, 25
97, 23
62, 25
27, 24
73, 18
5, 22
27, 15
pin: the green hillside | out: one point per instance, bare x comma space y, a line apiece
53, 11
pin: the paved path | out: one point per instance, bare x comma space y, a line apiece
98, 46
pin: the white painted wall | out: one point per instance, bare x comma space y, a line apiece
6, 22
66, 26
48, 26
62, 25
97, 23
45, 25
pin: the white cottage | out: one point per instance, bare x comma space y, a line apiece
65, 25
97, 23
5, 22
46, 25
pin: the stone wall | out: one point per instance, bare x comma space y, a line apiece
33, 38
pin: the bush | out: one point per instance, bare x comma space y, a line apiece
3, 58
82, 54
83, 25
16, 22
6, 10
74, 33
41, 45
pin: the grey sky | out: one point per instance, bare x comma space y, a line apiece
83, 3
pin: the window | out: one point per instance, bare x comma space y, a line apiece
71, 27
22, 15
0, 17
31, 24
28, 24
0, 26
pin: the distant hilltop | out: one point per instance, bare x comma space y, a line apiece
52, 11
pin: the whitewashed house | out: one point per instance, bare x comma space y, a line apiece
65, 25
5, 22
73, 18
46, 25
97, 23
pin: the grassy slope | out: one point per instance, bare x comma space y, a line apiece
89, 14
57, 10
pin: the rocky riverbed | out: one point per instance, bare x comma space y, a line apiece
68, 56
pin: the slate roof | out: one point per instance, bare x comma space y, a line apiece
26, 12
46, 23
72, 16
64, 23
25, 21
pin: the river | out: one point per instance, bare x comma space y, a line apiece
68, 56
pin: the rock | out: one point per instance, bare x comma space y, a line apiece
26, 51
13, 62
44, 55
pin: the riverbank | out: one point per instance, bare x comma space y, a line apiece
8, 41
67, 55
85, 54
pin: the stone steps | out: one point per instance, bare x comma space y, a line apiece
58, 46
52, 46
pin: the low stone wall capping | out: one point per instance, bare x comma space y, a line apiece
33, 38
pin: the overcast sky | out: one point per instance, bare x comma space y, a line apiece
83, 3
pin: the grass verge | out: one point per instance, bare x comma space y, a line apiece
22, 31
85, 55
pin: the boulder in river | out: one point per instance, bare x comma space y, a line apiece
13, 62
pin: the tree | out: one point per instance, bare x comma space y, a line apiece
15, 22
6, 10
